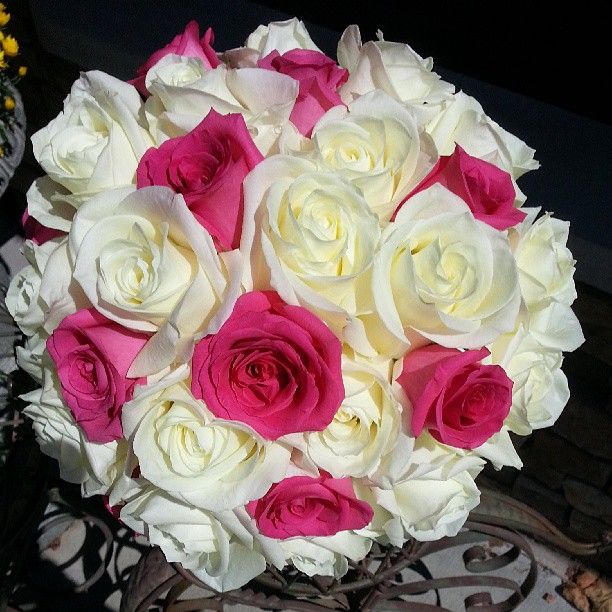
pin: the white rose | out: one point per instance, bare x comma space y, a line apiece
382, 528
498, 449
326, 556
281, 36
198, 459
444, 274
94, 466
376, 145
545, 264
464, 122
59, 291
217, 548
540, 390
555, 327
51, 204
395, 68
308, 234
43, 293
433, 496
144, 261
364, 429
29, 356
183, 92
22, 295
95, 143
27, 309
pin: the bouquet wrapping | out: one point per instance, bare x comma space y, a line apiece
280, 306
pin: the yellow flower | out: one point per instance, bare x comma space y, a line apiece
1, 151
10, 46
3, 63
9, 103
4, 17
23, 70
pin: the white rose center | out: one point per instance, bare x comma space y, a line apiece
445, 274
363, 430
146, 269
76, 150
321, 227
191, 445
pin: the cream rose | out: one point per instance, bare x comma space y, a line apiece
96, 467
432, 496
326, 556
540, 390
394, 68
498, 449
198, 459
555, 327
42, 294
444, 274
51, 204
545, 264
281, 36
376, 145
365, 428
60, 293
29, 356
217, 548
22, 298
183, 92
464, 122
95, 143
144, 261
28, 310
308, 234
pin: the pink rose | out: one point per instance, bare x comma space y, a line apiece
187, 44
36, 231
485, 188
272, 366
319, 77
304, 506
458, 399
92, 356
207, 166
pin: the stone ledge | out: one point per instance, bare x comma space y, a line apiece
588, 500
586, 527
549, 458
587, 427
550, 503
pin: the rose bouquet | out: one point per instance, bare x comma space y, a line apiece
282, 307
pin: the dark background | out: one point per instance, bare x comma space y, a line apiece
545, 50
559, 54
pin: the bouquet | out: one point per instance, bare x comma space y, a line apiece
282, 307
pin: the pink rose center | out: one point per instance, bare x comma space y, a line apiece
475, 402
85, 375
257, 378
195, 171
298, 507
261, 371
